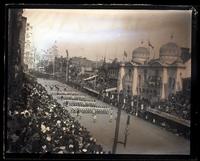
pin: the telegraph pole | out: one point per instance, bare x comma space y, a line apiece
117, 126
67, 67
54, 66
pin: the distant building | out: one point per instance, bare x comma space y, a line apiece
60, 66
87, 70
28, 48
154, 79
84, 66
16, 24
22, 38
84, 62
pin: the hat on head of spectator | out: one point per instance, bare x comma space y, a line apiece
48, 138
16, 112
71, 145
43, 128
58, 121
60, 152
84, 150
62, 147
47, 128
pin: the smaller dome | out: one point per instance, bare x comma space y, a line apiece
141, 52
170, 49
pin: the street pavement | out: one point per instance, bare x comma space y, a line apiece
143, 137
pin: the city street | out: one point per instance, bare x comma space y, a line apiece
143, 137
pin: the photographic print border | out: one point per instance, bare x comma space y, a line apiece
194, 83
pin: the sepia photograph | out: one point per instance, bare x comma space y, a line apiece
98, 81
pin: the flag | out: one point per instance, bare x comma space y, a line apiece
67, 53
125, 54
150, 45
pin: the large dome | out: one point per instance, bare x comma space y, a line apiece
170, 49
141, 52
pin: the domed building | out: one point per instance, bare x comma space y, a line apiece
169, 53
153, 79
140, 55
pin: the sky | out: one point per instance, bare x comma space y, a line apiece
107, 33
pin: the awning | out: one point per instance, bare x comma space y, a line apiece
91, 90
89, 78
111, 89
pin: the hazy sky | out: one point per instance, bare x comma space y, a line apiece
98, 33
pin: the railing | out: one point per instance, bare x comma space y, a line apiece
91, 90
170, 117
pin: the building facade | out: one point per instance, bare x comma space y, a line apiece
16, 30
28, 51
154, 79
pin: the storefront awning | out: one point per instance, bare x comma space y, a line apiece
89, 78
111, 89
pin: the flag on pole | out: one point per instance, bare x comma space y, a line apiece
67, 53
150, 45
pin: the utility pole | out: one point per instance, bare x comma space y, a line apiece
126, 130
117, 126
67, 67
55, 54
34, 50
53, 66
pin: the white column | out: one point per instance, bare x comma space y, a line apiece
120, 78
164, 81
178, 81
135, 81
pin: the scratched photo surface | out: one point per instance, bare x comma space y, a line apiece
98, 81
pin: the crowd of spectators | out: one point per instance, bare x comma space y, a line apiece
177, 104
36, 123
